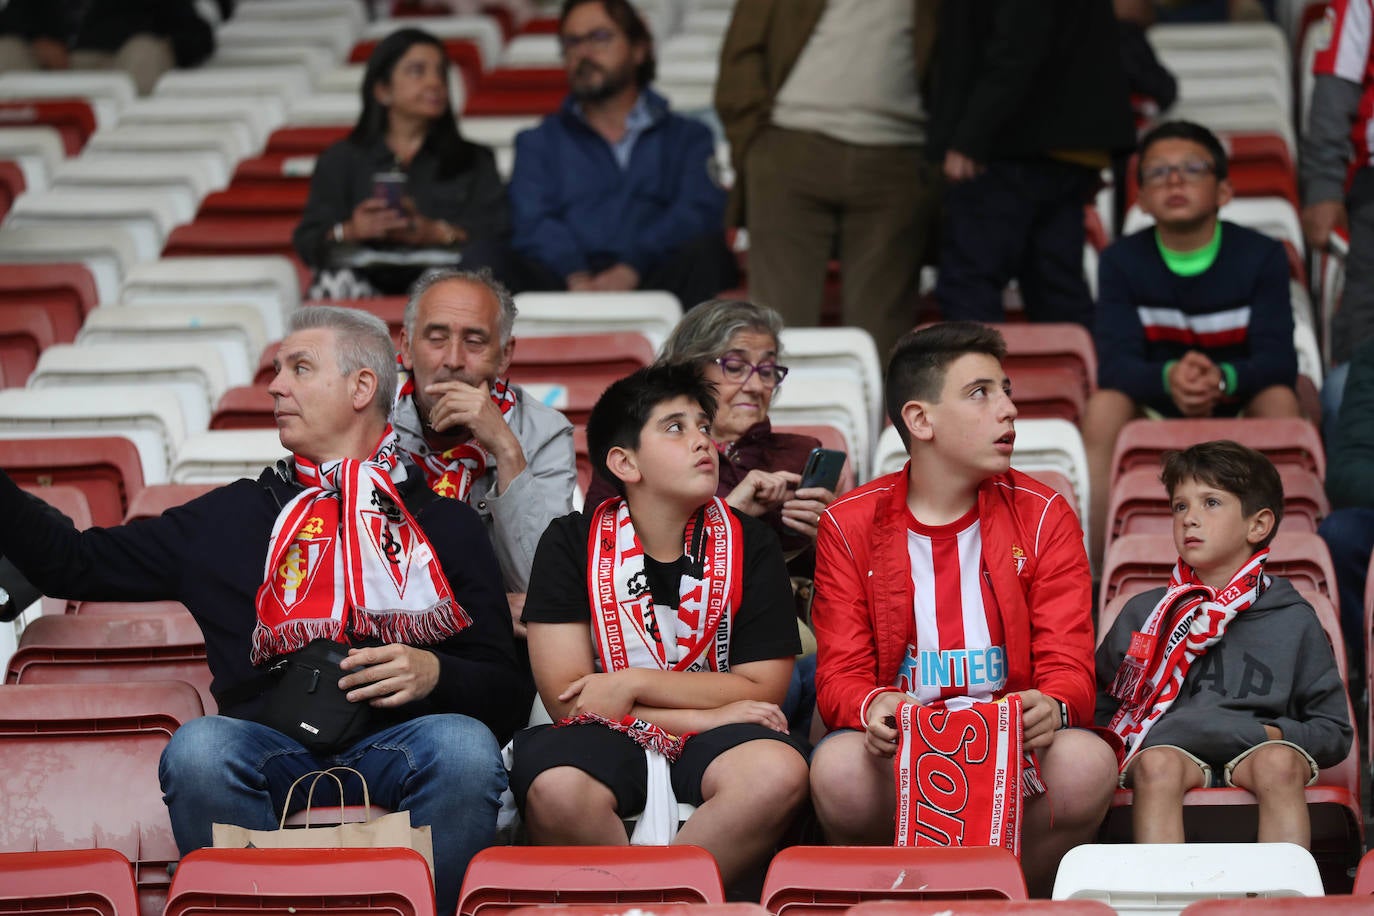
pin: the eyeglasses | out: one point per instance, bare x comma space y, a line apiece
1191, 171
739, 370
597, 38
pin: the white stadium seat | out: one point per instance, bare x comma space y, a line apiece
107, 251
268, 283
654, 313
224, 455
237, 331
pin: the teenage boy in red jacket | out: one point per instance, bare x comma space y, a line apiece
960, 580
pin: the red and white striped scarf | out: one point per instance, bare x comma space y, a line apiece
629, 630
961, 775
1187, 621
346, 558
451, 472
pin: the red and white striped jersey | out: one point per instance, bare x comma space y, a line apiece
1345, 52
959, 651
1206, 331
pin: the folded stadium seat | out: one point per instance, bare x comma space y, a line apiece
106, 468
149, 416
390, 309
126, 608
845, 351
1136, 562
25, 332
1248, 118
273, 169
223, 456
314, 60
815, 880
348, 79
153, 500
631, 909
823, 397
613, 354
147, 214
222, 144
1289, 441
161, 645
11, 184
106, 255
653, 313
78, 770
1047, 394
1140, 504
503, 878
244, 407
982, 908
573, 397
518, 91
309, 140
70, 500
252, 203
1330, 905
331, 109
1364, 876
70, 122
218, 235
194, 372
300, 10
301, 881
31, 155
889, 455
107, 92
272, 87
1166, 877
334, 34
97, 882
271, 284
236, 331
1054, 445
532, 50
185, 177
255, 113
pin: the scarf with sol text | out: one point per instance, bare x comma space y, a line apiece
961, 775
346, 558
1190, 619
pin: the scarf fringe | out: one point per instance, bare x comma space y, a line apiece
1031, 782
646, 734
288, 637
1129, 683
423, 627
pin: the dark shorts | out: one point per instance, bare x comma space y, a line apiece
613, 759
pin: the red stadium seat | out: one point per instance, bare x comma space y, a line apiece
508, 91
982, 908
221, 235
66, 291
73, 119
312, 139
1295, 442
69, 500
390, 309
156, 499
557, 358
274, 170
1330, 905
25, 332
252, 203
356, 882
128, 608
1047, 393
832, 438
11, 185
503, 878
78, 770
106, 649
1050, 346
1364, 875
106, 468
1139, 504
806, 880
244, 407
95, 882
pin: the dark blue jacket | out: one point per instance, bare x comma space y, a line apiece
1237, 311
575, 209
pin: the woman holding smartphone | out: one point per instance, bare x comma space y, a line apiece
404, 191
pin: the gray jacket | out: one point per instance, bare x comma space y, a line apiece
542, 492
1274, 667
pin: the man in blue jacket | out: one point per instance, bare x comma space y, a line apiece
614, 192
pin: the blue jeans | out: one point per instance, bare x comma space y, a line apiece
1350, 535
445, 770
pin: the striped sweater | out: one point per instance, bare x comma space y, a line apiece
1237, 311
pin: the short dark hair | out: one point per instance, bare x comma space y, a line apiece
1230, 466
627, 18
1183, 130
623, 408
916, 368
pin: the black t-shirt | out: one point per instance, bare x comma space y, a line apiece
764, 626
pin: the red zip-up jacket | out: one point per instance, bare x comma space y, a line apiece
863, 613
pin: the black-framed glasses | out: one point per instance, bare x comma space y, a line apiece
596, 38
1190, 171
739, 370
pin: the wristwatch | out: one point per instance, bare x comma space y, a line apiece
1063, 714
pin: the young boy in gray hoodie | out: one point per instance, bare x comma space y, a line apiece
1225, 677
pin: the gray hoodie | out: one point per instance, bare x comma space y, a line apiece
1273, 666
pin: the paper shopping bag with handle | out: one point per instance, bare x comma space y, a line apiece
387, 830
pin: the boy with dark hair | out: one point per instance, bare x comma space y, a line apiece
955, 581
1193, 316
661, 634
1225, 677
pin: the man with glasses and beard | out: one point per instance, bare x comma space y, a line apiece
614, 192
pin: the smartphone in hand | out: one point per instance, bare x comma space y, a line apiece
823, 469
390, 187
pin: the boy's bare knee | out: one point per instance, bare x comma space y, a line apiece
735, 774
1276, 768
1161, 770
1080, 772
562, 793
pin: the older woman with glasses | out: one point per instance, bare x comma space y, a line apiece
736, 344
